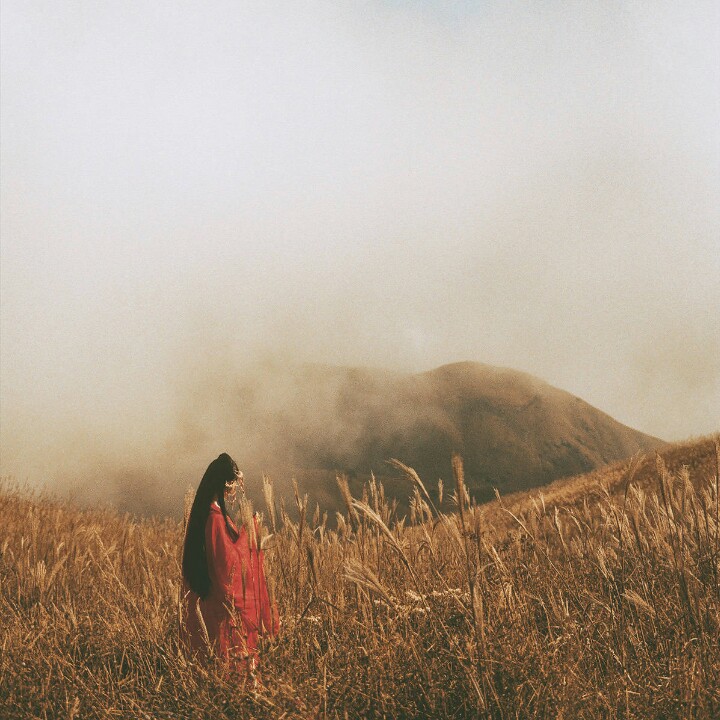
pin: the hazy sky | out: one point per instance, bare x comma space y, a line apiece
190, 186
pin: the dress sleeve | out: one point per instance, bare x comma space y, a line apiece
222, 559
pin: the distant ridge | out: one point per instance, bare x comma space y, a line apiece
513, 430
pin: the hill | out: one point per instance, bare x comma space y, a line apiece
513, 430
312, 422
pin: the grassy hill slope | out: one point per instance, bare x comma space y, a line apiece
594, 597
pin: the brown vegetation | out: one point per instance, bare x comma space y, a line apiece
599, 597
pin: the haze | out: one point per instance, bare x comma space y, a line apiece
193, 189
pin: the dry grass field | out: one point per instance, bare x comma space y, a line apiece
598, 597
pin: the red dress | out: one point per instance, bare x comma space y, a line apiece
237, 608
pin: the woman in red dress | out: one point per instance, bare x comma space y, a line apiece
226, 604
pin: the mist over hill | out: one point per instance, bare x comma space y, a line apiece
312, 421
513, 430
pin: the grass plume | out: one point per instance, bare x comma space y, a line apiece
599, 598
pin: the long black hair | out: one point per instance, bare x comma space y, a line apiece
212, 487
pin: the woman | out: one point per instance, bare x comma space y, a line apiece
226, 597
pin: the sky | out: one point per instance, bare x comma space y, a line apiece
188, 188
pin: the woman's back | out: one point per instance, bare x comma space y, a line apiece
237, 608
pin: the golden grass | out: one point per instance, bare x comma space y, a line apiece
598, 596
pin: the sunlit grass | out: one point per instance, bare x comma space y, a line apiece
598, 596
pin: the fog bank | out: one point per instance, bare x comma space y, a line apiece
192, 191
